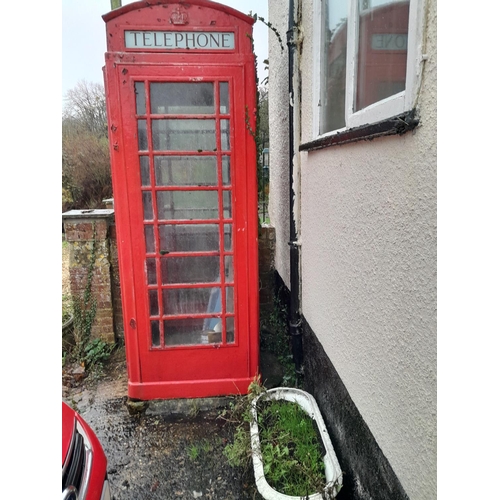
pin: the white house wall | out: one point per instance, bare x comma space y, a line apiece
278, 139
368, 259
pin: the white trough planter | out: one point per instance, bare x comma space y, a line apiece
332, 468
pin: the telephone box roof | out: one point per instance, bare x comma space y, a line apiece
201, 3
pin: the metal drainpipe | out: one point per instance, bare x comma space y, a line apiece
295, 322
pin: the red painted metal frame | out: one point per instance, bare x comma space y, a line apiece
200, 370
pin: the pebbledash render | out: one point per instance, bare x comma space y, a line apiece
362, 133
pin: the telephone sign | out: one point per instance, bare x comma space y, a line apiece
180, 88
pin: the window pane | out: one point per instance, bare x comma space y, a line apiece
192, 301
190, 332
224, 97
155, 333
190, 270
333, 65
224, 135
182, 98
189, 238
145, 177
183, 135
230, 330
140, 98
142, 135
150, 239
185, 171
151, 271
228, 264
383, 38
230, 299
226, 170
226, 199
228, 237
153, 303
147, 205
188, 205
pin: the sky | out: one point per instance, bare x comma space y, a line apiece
84, 38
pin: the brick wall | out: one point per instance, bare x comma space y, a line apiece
79, 232
115, 285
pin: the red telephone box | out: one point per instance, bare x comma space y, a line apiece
180, 87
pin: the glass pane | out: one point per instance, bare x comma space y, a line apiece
142, 135
230, 300
189, 238
224, 135
150, 239
383, 40
184, 135
228, 266
147, 204
224, 97
155, 333
230, 330
190, 270
333, 65
151, 271
153, 303
185, 171
189, 332
228, 237
192, 301
226, 170
145, 178
226, 199
140, 98
182, 98
188, 205
212, 331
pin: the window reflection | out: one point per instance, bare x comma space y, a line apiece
383, 39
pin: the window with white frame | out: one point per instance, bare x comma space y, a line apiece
368, 58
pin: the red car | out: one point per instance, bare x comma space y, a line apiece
84, 474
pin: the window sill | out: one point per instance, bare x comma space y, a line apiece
396, 125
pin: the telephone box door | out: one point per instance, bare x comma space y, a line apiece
192, 244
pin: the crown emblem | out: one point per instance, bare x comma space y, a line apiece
179, 16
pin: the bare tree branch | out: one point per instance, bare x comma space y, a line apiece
86, 104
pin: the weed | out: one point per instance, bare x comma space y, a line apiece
194, 408
193, 452
206, 447
274, 337
291, 449
239, 452
67, 308
96, 352
85, 308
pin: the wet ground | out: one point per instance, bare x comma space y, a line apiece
170, 450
